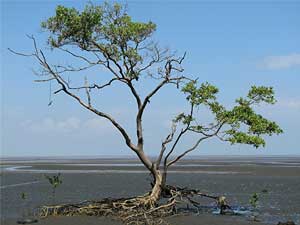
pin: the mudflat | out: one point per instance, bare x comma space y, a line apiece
276, 179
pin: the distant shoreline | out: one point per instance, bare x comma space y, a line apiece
116, 157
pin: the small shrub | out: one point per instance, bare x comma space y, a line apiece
54, 181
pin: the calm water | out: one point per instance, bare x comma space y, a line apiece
86, 179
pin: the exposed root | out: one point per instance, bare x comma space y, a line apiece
137, 210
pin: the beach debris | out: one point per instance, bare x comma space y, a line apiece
289, 222
27, 221
222, 204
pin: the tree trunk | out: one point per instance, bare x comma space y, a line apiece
165, 189
157, 187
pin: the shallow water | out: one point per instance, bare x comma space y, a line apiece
237, 179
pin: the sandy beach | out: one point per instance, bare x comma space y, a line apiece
94, 179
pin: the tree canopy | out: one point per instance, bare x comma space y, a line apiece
106, 29
244, 126
107, 36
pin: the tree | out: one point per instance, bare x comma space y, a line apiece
106, 36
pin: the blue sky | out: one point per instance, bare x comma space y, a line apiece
231, 44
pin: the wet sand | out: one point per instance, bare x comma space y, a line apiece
177, 220
90, 179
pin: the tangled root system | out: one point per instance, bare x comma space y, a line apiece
135, 210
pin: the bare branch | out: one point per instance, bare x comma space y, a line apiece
46, 80
157, 57
87, 91
167, 140
70, 68
182, 132
207, 129
195, 145
108, 56
39, 55
186, 152
94, 86
143, 106
19, 53
59, 90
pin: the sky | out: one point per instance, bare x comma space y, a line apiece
231, 44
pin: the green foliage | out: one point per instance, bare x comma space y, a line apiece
261, 94
106, 29
54, 180
254, 200
23, 196
202, 95
185, 119
241, 124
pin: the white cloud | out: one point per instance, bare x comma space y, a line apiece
68, 125
51, 125
94, 123
280, 62
292, 103
99, 125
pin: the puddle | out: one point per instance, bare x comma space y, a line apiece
235, 211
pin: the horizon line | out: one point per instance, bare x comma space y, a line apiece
135, 157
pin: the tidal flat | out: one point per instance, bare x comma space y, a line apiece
275, 179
